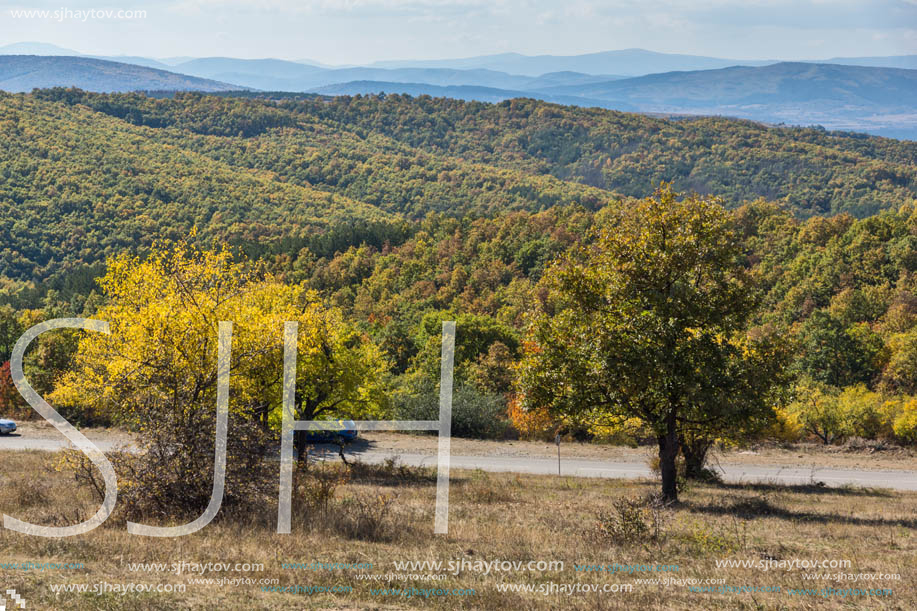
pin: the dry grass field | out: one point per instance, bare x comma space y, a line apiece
382, 515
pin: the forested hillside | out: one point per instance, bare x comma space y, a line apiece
403, 212
814, 171
85, 175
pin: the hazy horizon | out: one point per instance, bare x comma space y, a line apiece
341, 32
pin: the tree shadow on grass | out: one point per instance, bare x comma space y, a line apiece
813, 488
760, 507
391, 473
387, 472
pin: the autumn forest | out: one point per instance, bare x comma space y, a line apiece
395, 213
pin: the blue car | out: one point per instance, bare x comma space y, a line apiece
7, 427
338, 431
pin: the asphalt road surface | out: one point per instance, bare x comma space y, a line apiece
20, 442
576, 467
581, 467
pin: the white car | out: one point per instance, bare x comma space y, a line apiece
7, 427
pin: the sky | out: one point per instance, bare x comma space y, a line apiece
342, 32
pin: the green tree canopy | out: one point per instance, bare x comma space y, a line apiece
648, 321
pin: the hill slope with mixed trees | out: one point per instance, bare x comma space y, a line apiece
85, 175
402, 212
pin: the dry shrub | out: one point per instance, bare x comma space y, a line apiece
171, 476
481, 488
76, 463
633, 520
32, 492
316, 487
363, 515
316, 505
705, 541
366, 516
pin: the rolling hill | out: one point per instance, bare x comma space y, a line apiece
280, 75
87, 175
840, 97
626, 62
835, 96
882, 101
775, 84
36, 48
274, 74
26, 72
460, 92
908, 62
401, 157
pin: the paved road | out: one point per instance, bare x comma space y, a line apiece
579, 467
19, 442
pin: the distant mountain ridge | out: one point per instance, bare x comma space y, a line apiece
865, 97
281, 75
36, 48
22, 73
622, 62
836, 96
855, 98
908, 62
626, 62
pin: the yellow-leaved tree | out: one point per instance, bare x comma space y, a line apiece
156, 372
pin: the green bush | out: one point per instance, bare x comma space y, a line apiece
835, 414
905, 425
475, 414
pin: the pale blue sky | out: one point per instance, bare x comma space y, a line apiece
362, 31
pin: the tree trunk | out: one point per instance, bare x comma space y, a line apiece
668, 452
300, 441
306, 411
695, 454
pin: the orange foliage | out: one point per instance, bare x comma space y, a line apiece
536, 424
